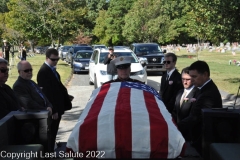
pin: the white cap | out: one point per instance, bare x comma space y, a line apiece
122, 62
4, 40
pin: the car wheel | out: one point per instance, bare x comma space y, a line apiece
95, 81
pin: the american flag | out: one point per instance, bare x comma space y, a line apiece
126, 120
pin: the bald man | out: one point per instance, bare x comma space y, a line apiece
28, 92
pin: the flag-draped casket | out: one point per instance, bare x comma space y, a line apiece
126, 120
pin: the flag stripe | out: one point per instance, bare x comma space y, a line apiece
89, 126
106, 142
159, 146
123, 125
126, 120
140, 126
176, 141
73, 139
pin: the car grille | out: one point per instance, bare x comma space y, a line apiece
155, 59
133, 73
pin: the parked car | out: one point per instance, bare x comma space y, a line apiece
98, 71
38, 50
152, 54
120, 47
73, 50
81, 60
63, 51
95, 46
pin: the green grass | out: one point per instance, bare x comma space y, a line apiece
63, 69
225, 76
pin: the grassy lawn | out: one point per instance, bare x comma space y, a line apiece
225, 76
63, 69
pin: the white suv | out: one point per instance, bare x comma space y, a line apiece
98, 71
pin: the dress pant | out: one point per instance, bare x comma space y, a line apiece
7, 56
53, 132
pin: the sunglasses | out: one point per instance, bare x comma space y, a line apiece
27, 70
4, 70
54, 59
168, 62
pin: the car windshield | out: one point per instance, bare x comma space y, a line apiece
66, 48
86, 55
99, 47
82, 48
131, 54
147, 49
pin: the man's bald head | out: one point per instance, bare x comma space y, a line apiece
25, 70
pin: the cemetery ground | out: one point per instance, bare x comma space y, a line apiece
226, 76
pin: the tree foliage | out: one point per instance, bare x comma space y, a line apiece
115, 22
53, 20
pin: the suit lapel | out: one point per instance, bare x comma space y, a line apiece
189, 96
178, 98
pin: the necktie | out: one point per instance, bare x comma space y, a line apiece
38, 91
167, 77
183, 96
55, 73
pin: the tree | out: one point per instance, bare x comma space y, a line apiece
215, 20
53, 20
113, 22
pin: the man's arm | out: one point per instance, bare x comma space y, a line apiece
25, 98
106, 60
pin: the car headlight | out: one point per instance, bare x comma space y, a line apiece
142, 60
141, 72
103, 72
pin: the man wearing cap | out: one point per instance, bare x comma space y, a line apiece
111, 69
6, 49
123, 65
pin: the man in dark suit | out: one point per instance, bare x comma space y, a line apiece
6, 49
171, 82
50, 81
8, 99
111, 69
184, 100
27, 91
208, 96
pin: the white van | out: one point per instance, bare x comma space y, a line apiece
98, 71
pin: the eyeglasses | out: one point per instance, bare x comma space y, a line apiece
168, 62
54, 59
4, 70
27, 70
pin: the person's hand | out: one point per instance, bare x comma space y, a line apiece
110, 55
55, 116
50, 110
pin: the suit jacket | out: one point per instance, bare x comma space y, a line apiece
53, 88
28, 95
183, 111
207, 97
111, 68
8, 101
169, 89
